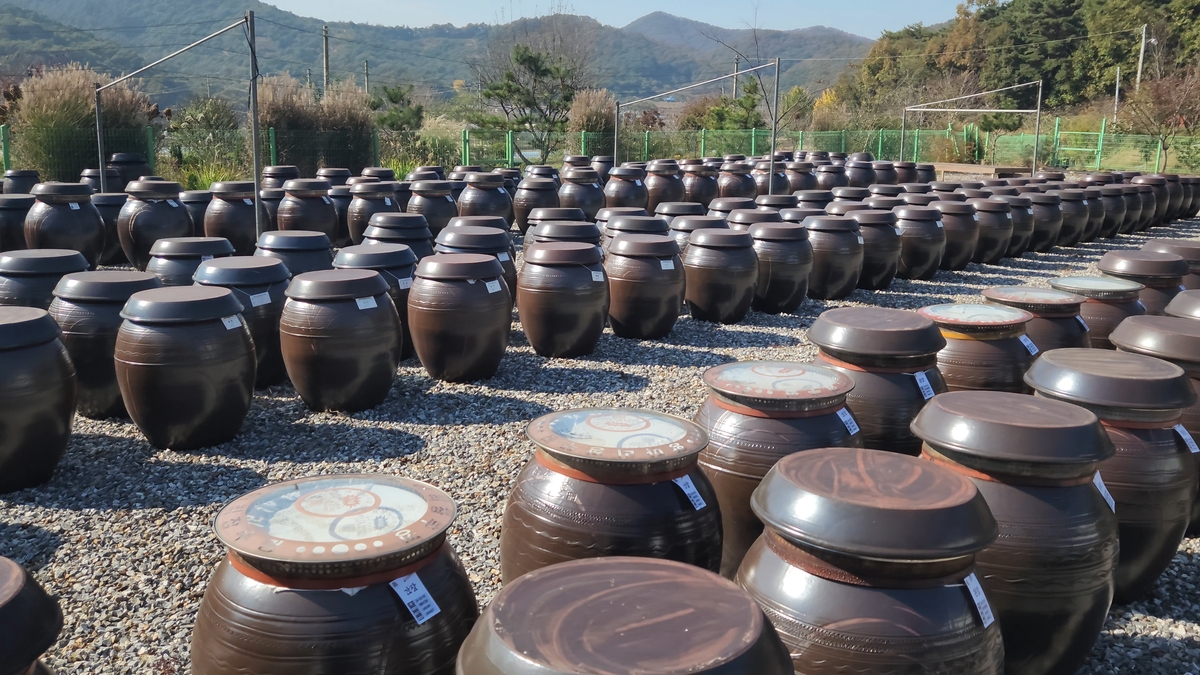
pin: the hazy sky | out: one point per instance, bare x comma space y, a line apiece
862, 17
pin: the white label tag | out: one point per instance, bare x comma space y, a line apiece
387, 201
595, 185
667, 264
1029, 346
205, 258
939, 224
74, 206
502, 190
981, 602
689, 488
1099, 483
325, 199
502, 257
260, 299
366, 303
1082, 322
230, 322
923, 385
172, 203
860, 240
637, 183
1187, 438
597, 276
249, 202
406, 282
848, 420
898, 231
414, 596
493, 286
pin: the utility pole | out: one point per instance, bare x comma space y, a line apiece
308, 79
325, 41
774, 131
737, 65
1141, 60
367, 76
1117, 95
100, 142
256, 141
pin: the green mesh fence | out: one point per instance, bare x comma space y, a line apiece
62, 154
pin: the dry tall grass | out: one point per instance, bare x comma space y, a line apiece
592, 110
285, 103
64, 97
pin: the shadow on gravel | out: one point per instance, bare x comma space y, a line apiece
474, 406
655, 353
1144, 655
334, 438
530, 373
30, 546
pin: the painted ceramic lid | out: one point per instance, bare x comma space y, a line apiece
629, 439
874, 504
778, 385
25, 326
876, 331
191, 247
336, 526
294, 240
975, 316
1036, 300
561, 213
1098, 288
1166, 337
1143, 264
243, 270
459, 266
1108, 379
42, 261
104, 285
181, 304
644, 245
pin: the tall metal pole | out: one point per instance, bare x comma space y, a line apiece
617, 134
367, 76
256, 142
903, 129
737, 65
1117, 95
1141, 60
774, 130
1037, 129
325, 52
100, 141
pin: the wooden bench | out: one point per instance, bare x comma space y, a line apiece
995, 171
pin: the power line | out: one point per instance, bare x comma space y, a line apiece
368, 44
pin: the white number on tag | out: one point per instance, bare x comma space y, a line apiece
981, 602
923, 385
406, 282
1083, 323
493, 286
597, 276
1099, 483
205, 258
387, 201
848, 420
502, 257
260, 299
366, 303
414, 596
325, 199
1029, 346
172, 203
249, 202
230, 322
74, 206
689, 488
667, 264
1187, 438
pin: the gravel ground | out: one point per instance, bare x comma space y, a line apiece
122, 536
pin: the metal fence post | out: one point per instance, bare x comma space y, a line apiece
583, 143
1100, 142
465, 153
879, 146
375, 158
646, 147
754, 141
151, 151
843, 140
916, 144
703, 142
273, 146
508, 148
1158, 157
801, 146
5, 146
1057, 143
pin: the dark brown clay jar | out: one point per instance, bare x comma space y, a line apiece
175, 260
683, 226
336, 175
768, 183
623, 224
669, 211
961, 225
713, 627
603, 164
276, 176
13, 209
367, 200
721, 270
611, 482
920, 199
830, 176
185, 364
33, 620
396, 263
1049, 575
87, 307
1153, 476
37, 399
756, 413
743, 219
300, 250
230, 215
1056, 322
776, 202
28, 277
885, 173
563, 295
663, 184
1074, 216
881, 247
431, 198
1021, 212
986, 346
906, 172
785, 260
800, 176
460, 314
131, 166
1095, 214
646, 285
195, 202
533, 193
332, 575
1161, 273
917, 188
63, 216
109, 205
341, 198
862, 583
626, 187
270, 198
1132, 196
341, 337
735, 181
485, 196
91, 178
153, 212
1187, 249
409, 229
926, 173
995, 230
723, 206
1047, 221
306, 206
860, 174
1162, 199
699, 184
259, 284
381, 173
563, 231
485, 240
837, 256
1149, 207
922, 242
20, 181
582, 189
1107, 302
1174, 196
891, 354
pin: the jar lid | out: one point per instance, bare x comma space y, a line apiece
734, 157
957, 197
374, 256
750, 216
885, 190
307, 185
420, 175
104, 285
151, 189
1015, 201
1166, 337
778, 385
242, 270
493, 222
876, 331
831, 224
336, 526
845, 208
1010, 427
356, 180
874, 504
372, 189
1099, 288
563, 253
852, 194
905, 165
582, 174
384, 234
627, 172
920, 213
973, 317
920, 199
881, 164
233, 188
1069, 195
944, 186
814, 195
737, 167
1188, 249
339, 191
1149, 180
561, 213
474, 237
1146, 190
916, 188
613, 615
729, 204
721, 238
636, 224
507, 172
294, 240
65, 189
21, 173
459, 266
181, 304
637, 442
392, 220
777, 201
537, 183
801, 167
282, 170
25, 327
24, 202
32, 619
191, 247
831, 168
1036, 300
1143, 264
798, 215
1186, 305
271, 194
680, 209
541, 169
884, 203
1111, 190
1044, 198
608, 212
103, 198
1109, 379
484, 180
693, 223
565, 229
644, 245
334, 172
779, 232
873, 217
988, 205
380, 172
42, 261
336, 284
956, 208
